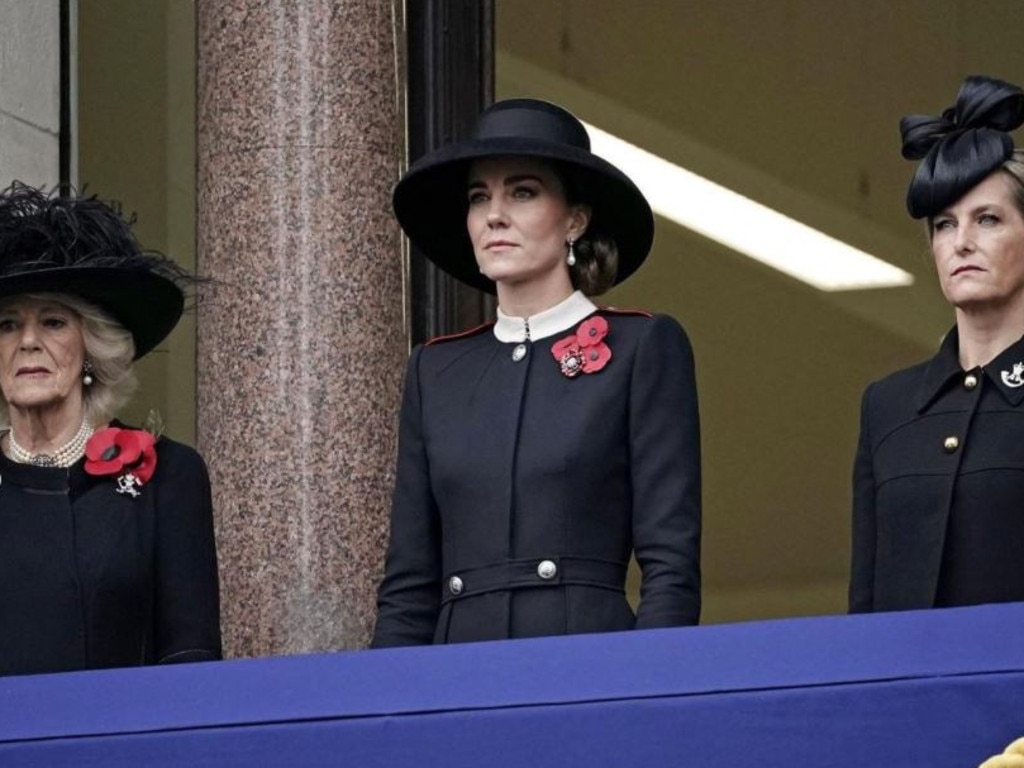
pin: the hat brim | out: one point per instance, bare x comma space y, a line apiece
430, 203
145, 303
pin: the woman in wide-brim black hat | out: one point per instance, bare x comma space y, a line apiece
939, 473
539, 452
107, 556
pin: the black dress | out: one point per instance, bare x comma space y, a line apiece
521, 492
938, 513
92, 578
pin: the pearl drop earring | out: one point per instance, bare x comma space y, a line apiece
571, 258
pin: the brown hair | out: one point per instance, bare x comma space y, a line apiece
1013, 169
597, 255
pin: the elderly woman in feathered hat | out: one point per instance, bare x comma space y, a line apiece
106, 537
538, 452
938, 515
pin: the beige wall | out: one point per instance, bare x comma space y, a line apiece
29, 92
795, 103
136, 144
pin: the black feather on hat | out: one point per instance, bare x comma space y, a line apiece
84, 247
959, 149
430, 200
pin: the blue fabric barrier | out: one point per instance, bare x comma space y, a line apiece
931, 688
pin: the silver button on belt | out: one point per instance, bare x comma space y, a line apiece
547, 570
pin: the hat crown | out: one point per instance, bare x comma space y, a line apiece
532, 119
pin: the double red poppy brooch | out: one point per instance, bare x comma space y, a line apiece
127, 454
584, 351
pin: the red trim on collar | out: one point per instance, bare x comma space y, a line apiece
459, 335
621, 311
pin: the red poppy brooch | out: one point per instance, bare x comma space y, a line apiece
128, 454
584, 351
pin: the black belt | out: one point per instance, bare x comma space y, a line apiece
534, 572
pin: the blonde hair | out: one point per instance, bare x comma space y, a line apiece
109, 348
1014, 168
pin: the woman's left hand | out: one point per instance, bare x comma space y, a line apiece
1012, 757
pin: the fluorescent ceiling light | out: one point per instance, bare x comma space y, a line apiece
743, 225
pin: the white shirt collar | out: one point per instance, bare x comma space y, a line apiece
560, 317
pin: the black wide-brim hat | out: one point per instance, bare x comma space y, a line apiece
84, 247
145, 303
431, 200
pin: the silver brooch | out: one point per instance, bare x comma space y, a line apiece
1015, 379
127, 483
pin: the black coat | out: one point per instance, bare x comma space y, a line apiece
938, 512
521, 492
91, 578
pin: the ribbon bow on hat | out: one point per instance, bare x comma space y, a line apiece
961, 147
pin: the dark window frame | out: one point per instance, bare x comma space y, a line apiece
450, 65
64, 139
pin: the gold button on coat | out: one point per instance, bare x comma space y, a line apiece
970, 381
951, 444
547, 569
455, 585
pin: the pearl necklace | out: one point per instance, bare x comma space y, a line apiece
62, 457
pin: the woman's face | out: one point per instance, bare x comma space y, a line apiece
978, 245
519, 221
42, 350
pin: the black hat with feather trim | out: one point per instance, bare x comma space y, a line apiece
84, 247
964, 145
430, 200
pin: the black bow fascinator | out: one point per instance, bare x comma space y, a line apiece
959, 149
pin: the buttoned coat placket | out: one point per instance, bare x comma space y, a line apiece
939, 485
522, 491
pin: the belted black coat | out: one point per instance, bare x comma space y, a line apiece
938, 485
521, 492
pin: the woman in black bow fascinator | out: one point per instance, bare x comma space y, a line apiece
939, 474
539, 452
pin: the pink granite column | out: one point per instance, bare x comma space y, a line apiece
302, 347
